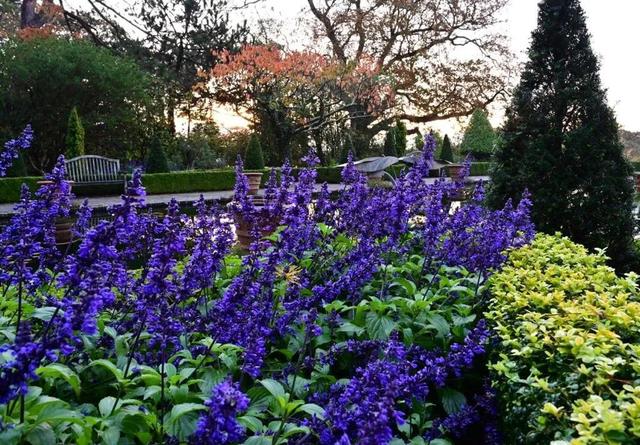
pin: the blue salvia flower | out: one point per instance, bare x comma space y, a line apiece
219, 426
13, 147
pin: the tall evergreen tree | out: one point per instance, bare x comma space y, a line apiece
479, 137
390, 148
401, 138
74, 140
560, 140
253, 158
446, 154
157, 159
418, 141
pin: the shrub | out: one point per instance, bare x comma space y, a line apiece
567, 365
157, 158
253, 158
74, 140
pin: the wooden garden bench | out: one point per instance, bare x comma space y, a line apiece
92, 169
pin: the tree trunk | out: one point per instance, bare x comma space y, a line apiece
28, 16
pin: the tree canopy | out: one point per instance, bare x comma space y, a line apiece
42, 78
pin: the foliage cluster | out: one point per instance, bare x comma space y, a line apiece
567, 365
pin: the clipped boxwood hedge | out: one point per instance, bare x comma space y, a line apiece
10, 187
186, 181
567, 365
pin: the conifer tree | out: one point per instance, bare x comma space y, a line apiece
560, 140
479, 137
446, 154
253, 158
157, 158
401, 138
418, 141
74, 140
390, 148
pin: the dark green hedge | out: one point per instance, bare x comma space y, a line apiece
480, 168
188, 181
636, 166
10, 187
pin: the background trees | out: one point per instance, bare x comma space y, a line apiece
41, 79
415, 43
561, 140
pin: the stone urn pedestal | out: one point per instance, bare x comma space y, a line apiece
64, 226
262, 218
254, 179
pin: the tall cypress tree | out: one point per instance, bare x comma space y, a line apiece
253, 158
74, 140
561, 140
446, 154
401, 138
390, 148
157, 158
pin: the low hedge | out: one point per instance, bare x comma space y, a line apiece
480, 168
567, 365
10, 187
186, 181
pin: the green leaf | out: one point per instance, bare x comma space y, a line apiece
41, 434
379, 326
440, 442
58, 370
252, 423
110, 436
106, 406
350, 328
181, 422
43, 313
409, 286
258, 440
440, 324
452, 400
313, 409
275, 388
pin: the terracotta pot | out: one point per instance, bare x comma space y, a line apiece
455, 171
254, 182
266, 222
63, 225
64, 234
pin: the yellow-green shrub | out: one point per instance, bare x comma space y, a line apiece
567, 364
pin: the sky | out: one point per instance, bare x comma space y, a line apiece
615, 38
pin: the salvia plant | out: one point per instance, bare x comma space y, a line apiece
352, 318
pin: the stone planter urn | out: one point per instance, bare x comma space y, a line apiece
266, 223
254, 180
64, 226
455, 171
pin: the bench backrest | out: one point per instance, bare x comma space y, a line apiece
92, 168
